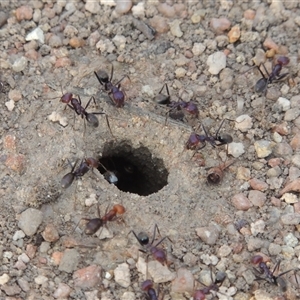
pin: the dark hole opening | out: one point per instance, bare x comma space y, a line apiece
133, 170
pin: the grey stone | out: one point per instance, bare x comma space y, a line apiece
30, 220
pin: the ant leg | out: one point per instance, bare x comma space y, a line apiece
276, 267
217, 132
100, 81
122, 80
87, 105
111, 72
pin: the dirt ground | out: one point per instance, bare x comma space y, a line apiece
168, 182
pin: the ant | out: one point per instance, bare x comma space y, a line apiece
93, 225
261, 84
186, 107
147, 286
214, 286
268, 275
198, 141
115, 94
83, 168
75, 104
157, 253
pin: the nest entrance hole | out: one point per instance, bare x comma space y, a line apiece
133, 170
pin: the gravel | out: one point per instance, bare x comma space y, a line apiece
205, 54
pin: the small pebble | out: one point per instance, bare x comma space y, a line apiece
122, 275
263, 148
241, 202
180, 72
243, 123
249, 14
56, 117
257, 184
19, 234
69, 261
10, 105
50, 233
198, 49
270, 44
62, 291
216, 62
166, 10
55, 41
257, 198
9, 143
76, 42
62, 62
4, 279
236, 149
125, 296
184, 281
208, 235
288, 252
36, 34
159, 24
88, 277
24, 13
138, 10
284, 103
290, 240
291, 114
234, 34
30, 220
119, 41
224, 251
160, 273
92, 6
291, 219
296, 160
175, 28
243, 173
258, 227
219, 25
123, 6
40, 279
16, 162
295, 142
20, 64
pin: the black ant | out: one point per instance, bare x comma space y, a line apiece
93, 225
186, 107
115, 94
84, 167
198, 141
261, 84
75, 104
268, 275
214, 286
147, 286
157, 253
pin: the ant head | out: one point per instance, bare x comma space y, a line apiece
66, 98
143, 238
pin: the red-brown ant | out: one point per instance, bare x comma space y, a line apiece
181, 105
262, 84
198, 141
93, 225
115, 94
214, 286
84, 167
147, 286
268, 275
157, 253
75, 104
